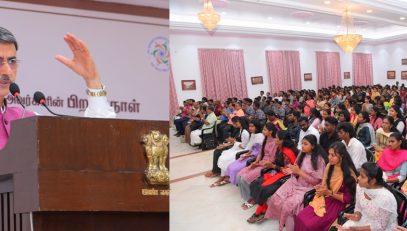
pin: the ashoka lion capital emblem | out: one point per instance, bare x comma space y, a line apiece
156, 145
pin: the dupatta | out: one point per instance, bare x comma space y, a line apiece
318, 203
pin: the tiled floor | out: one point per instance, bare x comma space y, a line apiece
194, 206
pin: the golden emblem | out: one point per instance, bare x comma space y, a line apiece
156, 145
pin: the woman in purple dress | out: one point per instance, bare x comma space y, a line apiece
336, 191
308, 171
263, 160
254, 147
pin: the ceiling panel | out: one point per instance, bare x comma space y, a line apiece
374, 19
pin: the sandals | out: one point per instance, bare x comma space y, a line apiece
247, 205
211, 174
256, 218
219, 183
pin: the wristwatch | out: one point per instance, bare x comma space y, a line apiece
97, 92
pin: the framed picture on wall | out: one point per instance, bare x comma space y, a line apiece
307, 76
346, 75
404, 75
391, 74
257, 80
188, 85
403, 61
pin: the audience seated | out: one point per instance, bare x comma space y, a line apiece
375, 118
382, 135
306, 129
355, 148
227, 161
308, 171
393, 160
315, 118
197, 115
265, 168
330, 135
364, 130
235, 136
267, 156
265, 186
225, 131
399, 122
208, 121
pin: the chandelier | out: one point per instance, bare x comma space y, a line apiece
347, 39
208, 16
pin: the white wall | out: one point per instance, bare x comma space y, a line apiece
185, 65
387, 57
118, 43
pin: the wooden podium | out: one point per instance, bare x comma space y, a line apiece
69, 173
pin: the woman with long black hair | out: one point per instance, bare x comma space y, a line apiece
308, 171
336, 191
399, 123
264, 160
265, 186
393, 160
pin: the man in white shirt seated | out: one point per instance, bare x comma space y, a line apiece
356, 150
306, 129
209, 122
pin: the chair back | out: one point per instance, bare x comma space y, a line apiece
369, 155
309, 196
401, 206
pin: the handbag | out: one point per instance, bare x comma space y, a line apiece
209, 141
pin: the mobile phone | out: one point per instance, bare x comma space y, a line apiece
333, 228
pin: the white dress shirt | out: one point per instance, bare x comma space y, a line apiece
357, 152
311, 130
98, 106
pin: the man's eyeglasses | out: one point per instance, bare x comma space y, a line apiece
12, 62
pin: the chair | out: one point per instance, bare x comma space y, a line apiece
401, 206
209, 140
398, 185
369, 155
241, 153
349, 209
309, 196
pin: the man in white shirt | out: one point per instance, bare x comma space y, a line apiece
306, 129
356, 150
209, 122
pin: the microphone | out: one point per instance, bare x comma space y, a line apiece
39, 98
15, 91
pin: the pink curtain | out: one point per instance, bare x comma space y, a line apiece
222, 73
284, 70
328, 69
173, 96
362, 69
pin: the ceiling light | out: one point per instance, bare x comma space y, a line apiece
369, 11
224, 13
208, 16
269, 18
308, 23
347, 39
402, 18
327, 2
